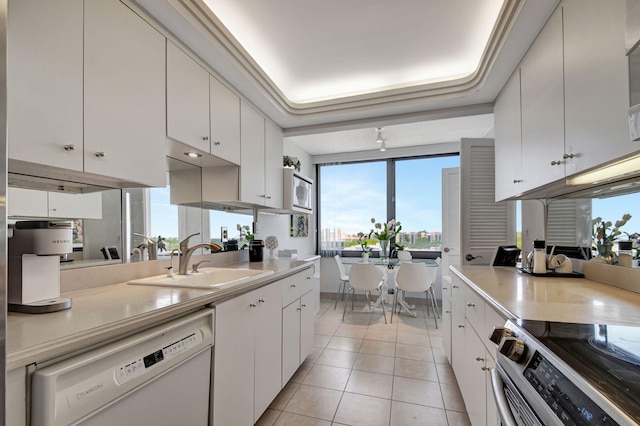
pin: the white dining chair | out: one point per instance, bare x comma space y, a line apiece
344, 279
415, 278
365, 277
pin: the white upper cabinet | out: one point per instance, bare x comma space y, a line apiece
187, 99
508, 143
596, 84
124, 95
44, 77
542, 104
261, 160
225, 122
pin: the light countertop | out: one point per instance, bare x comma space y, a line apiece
579, 300
113, 311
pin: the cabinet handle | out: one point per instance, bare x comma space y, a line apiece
268, 197
299, 308
471, 305
447, 312
479, 358
216, 143
517, 181
261, 300
205, 138
308, 278
483, 368
253, 305
460, 326
455, 286
70, 147
556, 163
304, 306
100, 154
293, 285
445, 288
568, 156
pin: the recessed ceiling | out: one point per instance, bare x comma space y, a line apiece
324, 50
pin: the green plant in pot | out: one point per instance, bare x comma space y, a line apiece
291, 162
604, 234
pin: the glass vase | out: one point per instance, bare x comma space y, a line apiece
605, 252
384, 251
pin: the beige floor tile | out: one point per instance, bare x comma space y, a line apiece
417, 392
371, 384
388, 335
421, 370
357, 319
353, 331
446, 375
418, 353
456, 418
374, 363
326, 376
290, 419
268, 418
436, 341
284, 396
344, 344
321, 340
439, 356
336, 358
375, 347
403, 414
413, 338
312, 401
325, 328
363, 410
452, 397
314, 355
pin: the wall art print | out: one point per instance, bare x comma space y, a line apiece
299, 225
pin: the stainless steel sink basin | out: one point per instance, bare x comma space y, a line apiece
205, 278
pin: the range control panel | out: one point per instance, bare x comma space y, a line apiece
139, 365
568, 402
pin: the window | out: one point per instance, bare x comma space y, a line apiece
409, 190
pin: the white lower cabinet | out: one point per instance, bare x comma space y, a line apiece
297, 322
248, 356
261, 338
472, 354
16, 403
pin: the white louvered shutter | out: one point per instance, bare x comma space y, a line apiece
569, 222
484, 223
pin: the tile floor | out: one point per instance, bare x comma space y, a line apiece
365, 372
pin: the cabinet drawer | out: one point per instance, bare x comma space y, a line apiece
290, 290
446, 287
474, 309
457, 294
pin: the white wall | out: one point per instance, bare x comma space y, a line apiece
279, 225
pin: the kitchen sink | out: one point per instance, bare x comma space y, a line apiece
205, 278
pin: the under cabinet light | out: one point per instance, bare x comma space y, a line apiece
618, 170
193, 154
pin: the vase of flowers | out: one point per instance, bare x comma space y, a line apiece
364, 244
604, 234
384, 233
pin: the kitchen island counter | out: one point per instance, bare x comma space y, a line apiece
579, 300
101, 314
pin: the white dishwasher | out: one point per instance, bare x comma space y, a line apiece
160, 376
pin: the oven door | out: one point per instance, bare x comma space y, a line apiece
513, 409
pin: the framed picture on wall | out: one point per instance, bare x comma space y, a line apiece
299, 225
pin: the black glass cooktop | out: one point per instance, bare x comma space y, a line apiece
607, 356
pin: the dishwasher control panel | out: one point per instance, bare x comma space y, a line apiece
139, 365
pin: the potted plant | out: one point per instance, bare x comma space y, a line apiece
384, 233
291, 162
604, 234
364, 244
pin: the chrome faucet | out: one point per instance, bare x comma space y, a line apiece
151, 245
187, 252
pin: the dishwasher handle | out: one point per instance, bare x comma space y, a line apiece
504, 412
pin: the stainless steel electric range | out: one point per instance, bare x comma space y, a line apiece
552, 373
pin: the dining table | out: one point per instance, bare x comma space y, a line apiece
388, 269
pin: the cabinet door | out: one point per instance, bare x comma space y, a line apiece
268, 347
44, 105
225, 121
508, 143
306, 325
474, 384
446, 327
75, 206
542, 83
492, 410
187, 99
27, 203
290, 340
233, 377
596, 83
252, 185
124, 83
274, 175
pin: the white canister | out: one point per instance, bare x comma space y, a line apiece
539, 257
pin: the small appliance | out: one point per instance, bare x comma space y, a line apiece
35, 248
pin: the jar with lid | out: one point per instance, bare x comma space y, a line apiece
625, 253
539, 257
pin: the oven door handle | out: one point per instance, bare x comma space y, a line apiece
501, 401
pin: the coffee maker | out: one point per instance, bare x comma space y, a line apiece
35, 248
